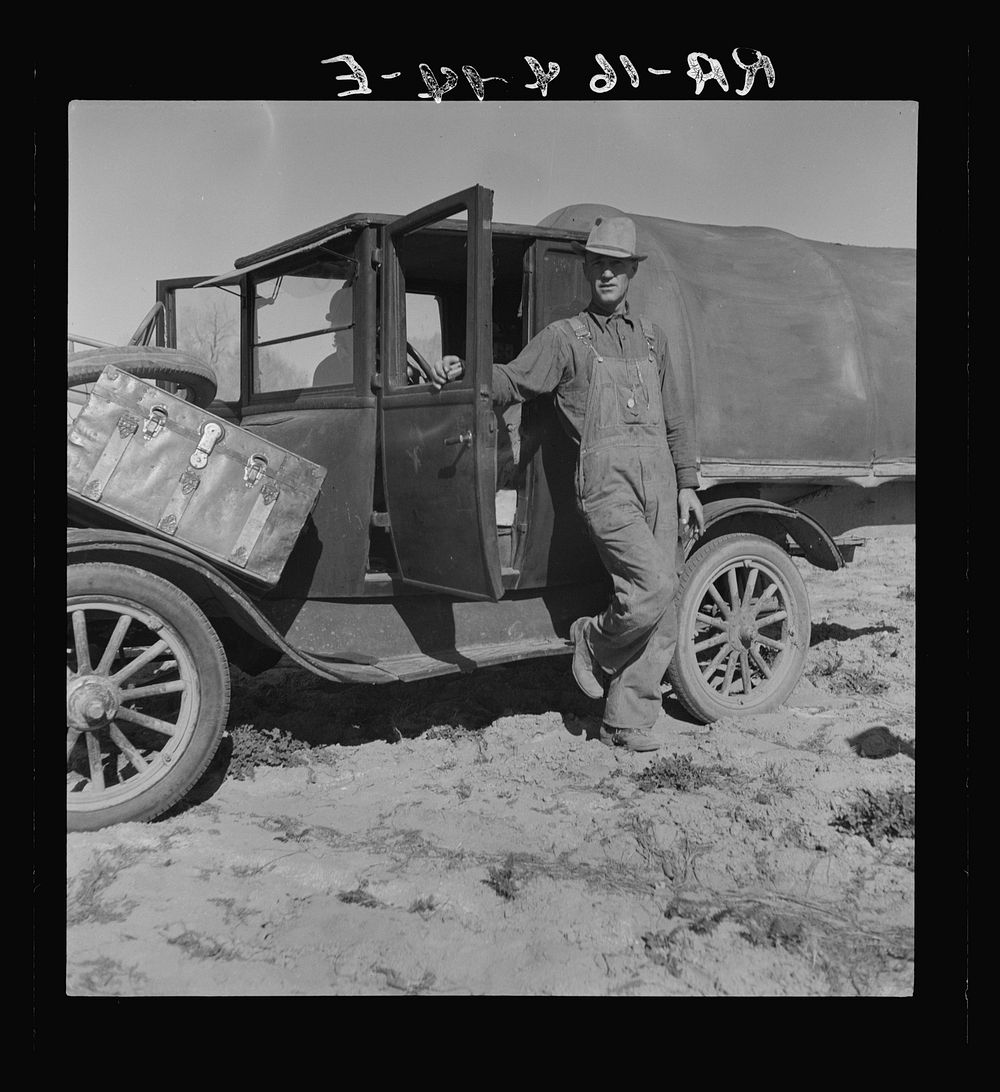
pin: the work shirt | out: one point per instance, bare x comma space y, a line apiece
553, 362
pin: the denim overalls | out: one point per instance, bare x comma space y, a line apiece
626, 489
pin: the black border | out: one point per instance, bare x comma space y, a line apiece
223, 65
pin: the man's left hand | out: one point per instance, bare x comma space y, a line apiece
444, 371
688, 505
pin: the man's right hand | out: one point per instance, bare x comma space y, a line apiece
446, 370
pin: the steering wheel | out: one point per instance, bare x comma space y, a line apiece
144, 331
425, 368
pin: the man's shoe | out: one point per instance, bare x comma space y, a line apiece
633, 739
585, 669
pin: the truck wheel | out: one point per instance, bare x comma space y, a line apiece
743, 628
147, 694
151, 363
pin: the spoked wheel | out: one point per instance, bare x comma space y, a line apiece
147, 694
743, 628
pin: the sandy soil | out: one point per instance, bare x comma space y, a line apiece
470, 835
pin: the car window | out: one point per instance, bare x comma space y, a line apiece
208, 327
423, 331
304, 335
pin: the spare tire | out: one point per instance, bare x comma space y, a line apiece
146, 362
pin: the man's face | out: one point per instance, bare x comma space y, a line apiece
609, 278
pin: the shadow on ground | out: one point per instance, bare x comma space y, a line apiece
289, 708
879, 742
206, 786
834, 631
321, 713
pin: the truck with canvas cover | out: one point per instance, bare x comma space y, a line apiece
444, 535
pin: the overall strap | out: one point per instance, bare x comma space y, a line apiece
647, 330
577, 328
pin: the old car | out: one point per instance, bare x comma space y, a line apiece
445, 536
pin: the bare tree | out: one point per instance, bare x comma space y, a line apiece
275, 373
210, 331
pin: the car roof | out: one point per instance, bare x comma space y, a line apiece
309, 240
363, 219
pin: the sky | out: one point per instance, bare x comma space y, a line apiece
173, 189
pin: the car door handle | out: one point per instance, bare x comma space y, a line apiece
461, 438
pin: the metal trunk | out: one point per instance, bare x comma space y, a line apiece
160, 463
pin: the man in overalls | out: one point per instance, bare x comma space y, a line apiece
636, 477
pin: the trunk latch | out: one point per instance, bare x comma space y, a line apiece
211, 434
154, 423
254, 470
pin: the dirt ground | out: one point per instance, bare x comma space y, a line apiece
471, 835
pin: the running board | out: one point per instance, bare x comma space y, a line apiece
426, 666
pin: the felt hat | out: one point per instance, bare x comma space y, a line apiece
614, 237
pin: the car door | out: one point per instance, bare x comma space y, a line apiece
439, 446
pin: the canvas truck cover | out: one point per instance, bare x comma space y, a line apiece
786, 350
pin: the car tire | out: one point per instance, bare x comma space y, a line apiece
151, 363
147, 686
739, 652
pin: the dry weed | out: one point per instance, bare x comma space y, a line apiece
678, 772
503, 879
360, 897
85, 900
878, 816
199, 946
104, 977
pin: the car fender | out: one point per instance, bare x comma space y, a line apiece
205, 584
773, 521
